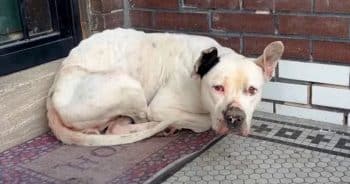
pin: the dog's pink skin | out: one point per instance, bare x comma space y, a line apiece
223, 130
245, 132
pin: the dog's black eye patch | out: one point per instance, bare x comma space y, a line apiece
208, 61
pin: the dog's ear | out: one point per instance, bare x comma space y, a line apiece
208, 59
269, 59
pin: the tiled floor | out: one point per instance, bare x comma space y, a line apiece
281, 150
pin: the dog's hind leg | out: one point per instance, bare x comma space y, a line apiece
117, 125
89, 100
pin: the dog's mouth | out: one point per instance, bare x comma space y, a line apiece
232, 124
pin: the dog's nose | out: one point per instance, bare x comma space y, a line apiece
234, 116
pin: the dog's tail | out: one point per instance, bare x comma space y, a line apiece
69, 136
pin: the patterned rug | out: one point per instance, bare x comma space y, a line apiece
46, 160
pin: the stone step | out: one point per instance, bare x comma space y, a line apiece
22, 108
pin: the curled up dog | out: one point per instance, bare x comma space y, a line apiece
121, 86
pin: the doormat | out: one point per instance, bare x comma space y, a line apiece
46, 160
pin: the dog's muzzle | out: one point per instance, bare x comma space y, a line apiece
234, 117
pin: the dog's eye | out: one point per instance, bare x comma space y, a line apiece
252, 90
219, 88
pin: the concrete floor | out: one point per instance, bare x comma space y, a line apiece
279, 150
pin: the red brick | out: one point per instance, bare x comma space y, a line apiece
97, 22
181, 21
105, 6
332, 6
243, 22
113, 20
258, 4
213, 4
331, 51
293, 5
164, 4
316, 26
140, 18
227, 41
294, 48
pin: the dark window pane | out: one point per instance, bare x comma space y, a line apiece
38, 16
10, 24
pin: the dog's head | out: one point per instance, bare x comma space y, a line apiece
231, 84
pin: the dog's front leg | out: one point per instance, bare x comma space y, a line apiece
196, 122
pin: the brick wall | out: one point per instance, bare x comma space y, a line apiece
98, 15
312, 80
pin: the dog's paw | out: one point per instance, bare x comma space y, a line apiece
245, 132
170, 131
223, 130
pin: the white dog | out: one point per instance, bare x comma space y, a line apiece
121, 86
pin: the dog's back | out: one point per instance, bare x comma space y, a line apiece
150, 58
111, 48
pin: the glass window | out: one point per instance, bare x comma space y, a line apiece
38, 17
10, 22
33, 32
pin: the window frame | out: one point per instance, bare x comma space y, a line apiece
28, 52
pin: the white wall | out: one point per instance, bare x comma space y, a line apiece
309, 90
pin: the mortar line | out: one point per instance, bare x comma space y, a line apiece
311, 51
126, 14
237, 11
